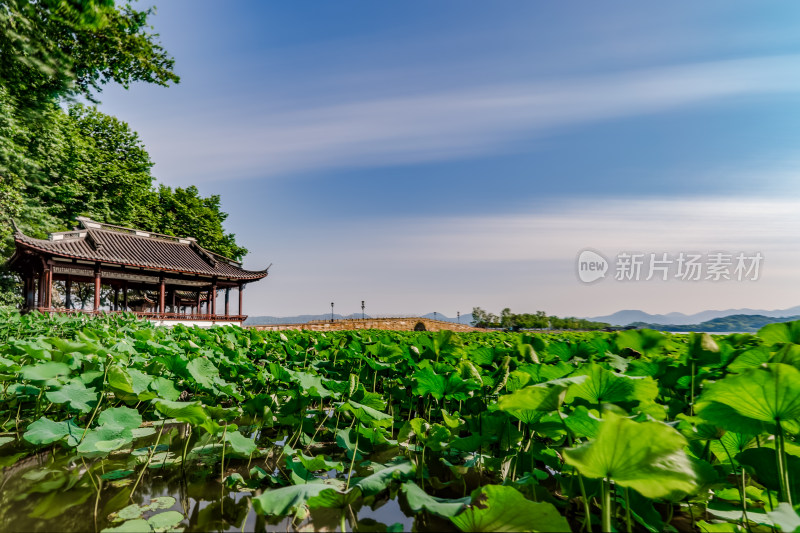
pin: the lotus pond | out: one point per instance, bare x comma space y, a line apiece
111, 424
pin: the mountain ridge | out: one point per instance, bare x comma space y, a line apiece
629, 316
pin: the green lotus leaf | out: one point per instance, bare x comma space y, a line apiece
536, 398
429, 382
314, 464
75, 394
190, 412
332, 499
645, 456
788, 354
44, 371
46, 431
605, 386
286, 500
499, 508
310, 383
751, 358
785, 517
767, 394
116, 474
367, 415
165, 388
104, 439
583, 423
761, 463
644, 341
120, 418
164, 521
239, 443
131, 526
377, 482
779, 333
418, 500
703, 349
204, 372
131, 512
162, 502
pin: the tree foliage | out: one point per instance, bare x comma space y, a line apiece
56, 48
538, 320
60, 159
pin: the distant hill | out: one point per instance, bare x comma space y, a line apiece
298, 319
465, 319
726, 324
629, 316
301, 319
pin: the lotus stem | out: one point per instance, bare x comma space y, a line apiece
147, 463
769, 492
353, 461
587, 518
691, 391
607, 505
784, 494
742, 497
628, 525
186, 446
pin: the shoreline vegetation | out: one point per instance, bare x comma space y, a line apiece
392, 431
532, 321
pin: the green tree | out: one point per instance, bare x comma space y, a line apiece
183, 212
55, 48
98, 169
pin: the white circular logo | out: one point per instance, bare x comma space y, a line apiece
591, 266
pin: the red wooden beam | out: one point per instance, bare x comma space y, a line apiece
97, 290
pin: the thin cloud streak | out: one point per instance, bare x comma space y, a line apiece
443, 125
527, 259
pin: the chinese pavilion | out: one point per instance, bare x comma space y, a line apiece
122, 269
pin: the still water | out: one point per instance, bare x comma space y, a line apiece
58, 491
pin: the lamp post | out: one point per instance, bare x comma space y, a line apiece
362, 310
458, 316
331, 311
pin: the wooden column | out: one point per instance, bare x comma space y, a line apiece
116, 298
173, 309
96, 290
124, 295
241, 288
68, 293
25, 290
196, 310
49, 298
40, 291
161, 289
227, 301
214, 299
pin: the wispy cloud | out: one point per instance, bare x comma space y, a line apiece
527, 260
443, 124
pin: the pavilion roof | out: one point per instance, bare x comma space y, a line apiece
106, 243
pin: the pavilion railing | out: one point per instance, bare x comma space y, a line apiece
150, 315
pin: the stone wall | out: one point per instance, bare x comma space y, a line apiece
396, 324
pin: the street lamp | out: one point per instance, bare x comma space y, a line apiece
458, 316
331, 311
362, 309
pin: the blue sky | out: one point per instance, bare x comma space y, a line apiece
438, 156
